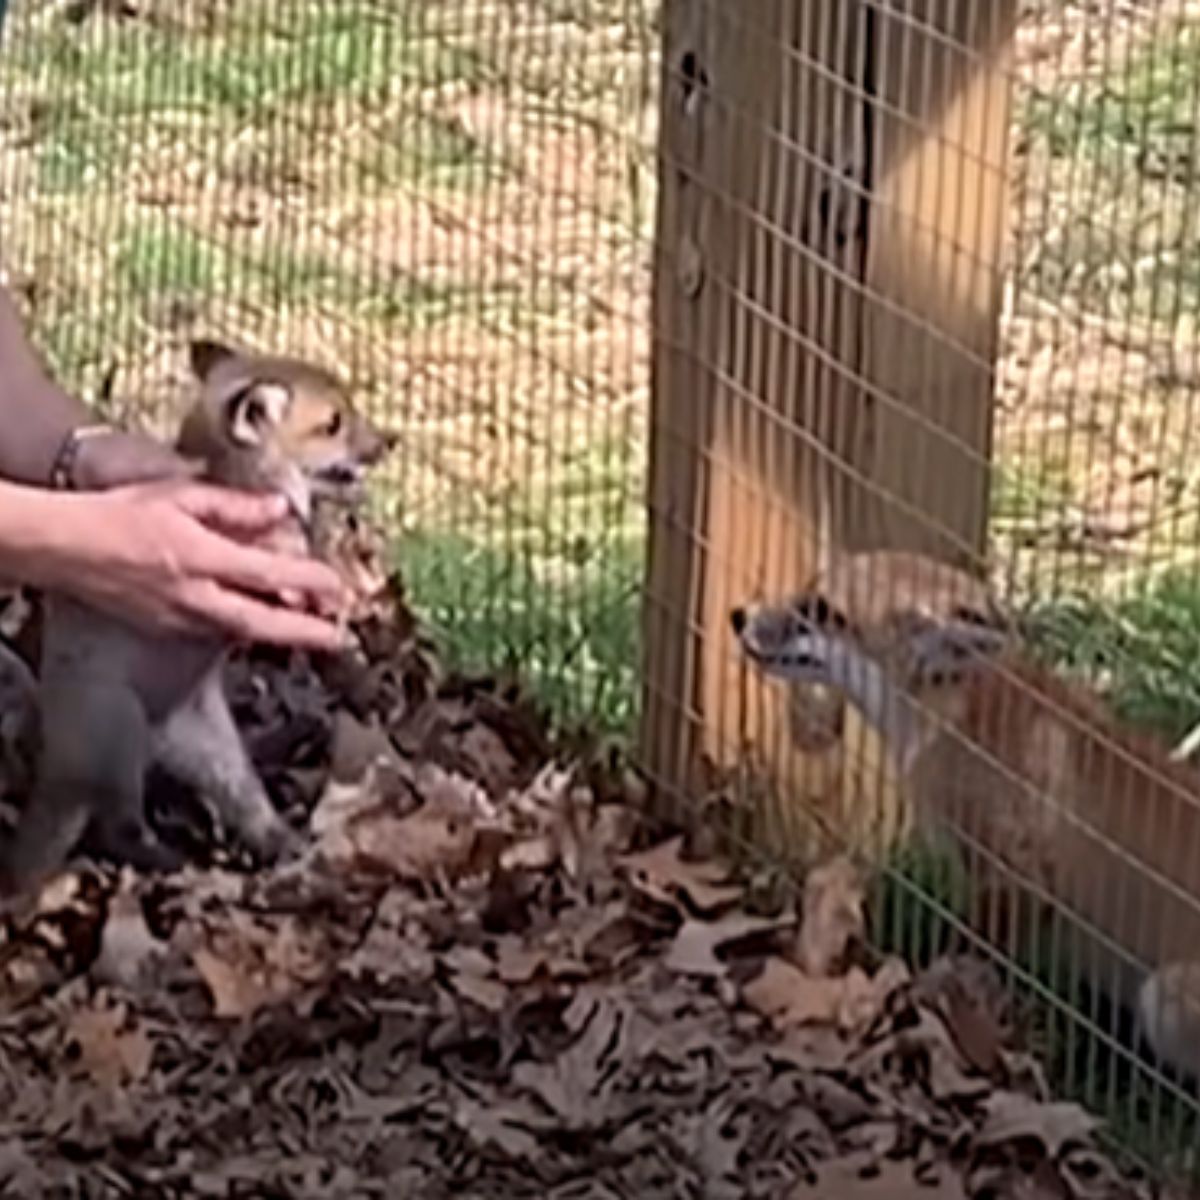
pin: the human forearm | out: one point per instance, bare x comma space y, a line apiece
35, 413
30, 530
36, 417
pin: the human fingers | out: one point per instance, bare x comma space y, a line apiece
251, 568
230, 511
256, 621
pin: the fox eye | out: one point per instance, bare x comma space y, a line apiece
334, 425
816, 610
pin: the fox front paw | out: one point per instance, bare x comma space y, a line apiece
272, 841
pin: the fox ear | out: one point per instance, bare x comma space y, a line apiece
252, 410
205, 355
952, 646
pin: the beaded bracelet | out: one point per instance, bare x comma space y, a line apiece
62, 473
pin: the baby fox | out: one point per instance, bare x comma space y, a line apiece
114, 700
1033, 777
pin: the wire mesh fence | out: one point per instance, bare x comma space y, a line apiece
927, 295
907, 274
449, 202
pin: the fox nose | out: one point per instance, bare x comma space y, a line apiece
378, 445
738, 619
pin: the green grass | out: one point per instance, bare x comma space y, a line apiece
184, 172
1021, 494
105, 97
1146, 108
1123, 152
572, 636
919, 895
1140, 649
174, 260
545, 577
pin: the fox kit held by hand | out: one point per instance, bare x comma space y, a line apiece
1032, 779
114, 700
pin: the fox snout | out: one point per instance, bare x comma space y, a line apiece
373, 445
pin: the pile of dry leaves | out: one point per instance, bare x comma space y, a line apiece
491, 975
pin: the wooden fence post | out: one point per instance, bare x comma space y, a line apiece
826, 168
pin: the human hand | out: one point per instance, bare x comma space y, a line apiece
172, 555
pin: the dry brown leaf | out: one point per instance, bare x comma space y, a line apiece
470, 959
1088, 1175
531, 854
112, 1050
356, 828
575, 1084
491, 1128
421, 846
577, 850
605, 934
832, 917
791, 998
1011, 1117
237, 990
489, 994
483, 752
214, 889
662, 874
613, 827
64, 891
693, 952
787, 996
518, 963
396, 945
864, 1005
557, 826
247, 966
975, 1030
889, 1180
453, 793
1018, 1182
356, 550
922, 1038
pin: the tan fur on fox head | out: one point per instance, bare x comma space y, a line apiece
1035, 782
887, 596
279, 424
